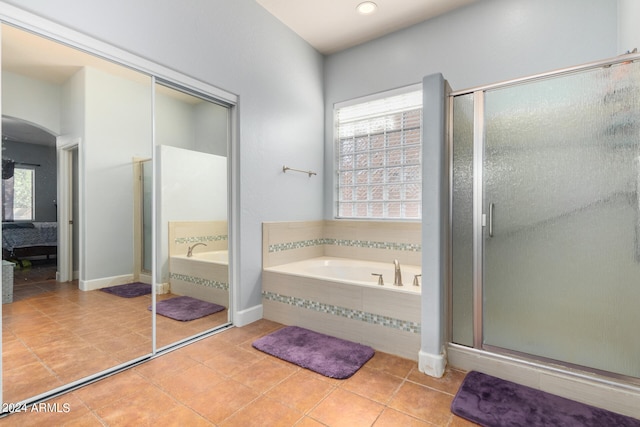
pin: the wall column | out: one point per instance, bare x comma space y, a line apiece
432, 358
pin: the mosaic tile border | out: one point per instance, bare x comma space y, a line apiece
201, 239
200, 281
411, 247
375, 319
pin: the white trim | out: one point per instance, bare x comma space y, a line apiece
378, 95
93, 284
250, 315
64, 148
36, 24
432, 364
579, 386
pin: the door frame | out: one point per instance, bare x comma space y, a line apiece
65, 146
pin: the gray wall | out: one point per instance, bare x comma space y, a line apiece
285, 93
239, 47
485, 42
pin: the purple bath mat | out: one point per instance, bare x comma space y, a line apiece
329, 356
186, 308
492, 402
129, 290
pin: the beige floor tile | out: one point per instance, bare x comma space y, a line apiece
264, 374
263, 412
449, 383
345, 409
423, 403
59, 333
393, 418
301, 391
373, 384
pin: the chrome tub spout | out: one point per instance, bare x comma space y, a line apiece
397, 277
190, 250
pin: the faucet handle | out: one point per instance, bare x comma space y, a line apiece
380, 281
415, 279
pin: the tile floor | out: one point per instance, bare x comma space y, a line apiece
53, 333
223, 381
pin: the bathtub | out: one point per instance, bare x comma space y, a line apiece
205, 276
216, 257
340, 297
353, 272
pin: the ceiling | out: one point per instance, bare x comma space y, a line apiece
334, 25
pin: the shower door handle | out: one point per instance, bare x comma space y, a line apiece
491, 206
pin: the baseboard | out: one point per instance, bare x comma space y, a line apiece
603, 392
432, 364
250, 315
92, 285
144, 278
161, 288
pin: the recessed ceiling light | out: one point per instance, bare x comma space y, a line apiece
366, 8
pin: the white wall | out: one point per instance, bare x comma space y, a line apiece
628, 28
239, 47
35, 101
117, 129
191, 184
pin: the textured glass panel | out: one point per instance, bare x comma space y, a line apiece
394, 210
346, 178
377, 159
462, 214
412, 173
394, 174
561, 273
377, 193
377, 176
346, 146
412, 209
362, 177
362, 160
362, 144
394, 139
394, 192
346, 162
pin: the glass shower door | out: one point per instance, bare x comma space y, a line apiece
561, 175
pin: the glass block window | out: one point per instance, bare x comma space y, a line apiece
378, 152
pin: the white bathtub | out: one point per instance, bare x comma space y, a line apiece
353, 272
216, 257
340, 297
205, 276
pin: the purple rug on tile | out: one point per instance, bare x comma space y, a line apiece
129, 290
186, 308
492, 402
329, 356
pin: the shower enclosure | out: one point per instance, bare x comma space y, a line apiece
545, 214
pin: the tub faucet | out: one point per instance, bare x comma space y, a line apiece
397, 278
190, 250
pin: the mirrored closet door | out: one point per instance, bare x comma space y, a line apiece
191, 142
76, 130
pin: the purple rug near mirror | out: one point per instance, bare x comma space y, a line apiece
186, 308
492, 402
329, 356
129, 290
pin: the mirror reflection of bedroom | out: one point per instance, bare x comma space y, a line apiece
29, 207
74, 130
92, 214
